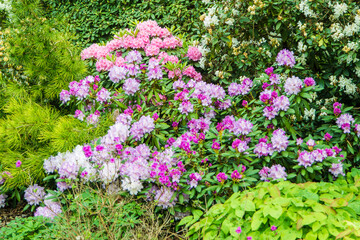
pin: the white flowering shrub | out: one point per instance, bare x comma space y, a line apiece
243, 37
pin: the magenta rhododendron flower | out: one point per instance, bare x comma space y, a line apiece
238, 230
18, 163
273, 228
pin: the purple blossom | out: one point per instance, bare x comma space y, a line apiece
2, 200
131, 86
293, 85
65, 96
242, 126
221, 177
310, 143
270, 112
344, 122
337, 169
282, 103
34, 194
286, 58
69, 169
273, 228
327, 137
103, 95
141, 127
79, 115
305, 159
133, 56
269, 71
117, 73
18, 163
235, 175
186, 107
279, 140
277, 172
238, 230
309, 82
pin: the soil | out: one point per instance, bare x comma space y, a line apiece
8, 214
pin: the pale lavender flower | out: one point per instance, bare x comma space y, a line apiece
131, 86
277, 172
103, 95
293, 85
305, 159
281, 103
69, 169
186, 107
242, 126
65, 96
344, 122
34, 194
279, 140
141, 127
133, 56
163, 197
270, 112
264, 174
117, 73
337, 169
2, 200
286, 58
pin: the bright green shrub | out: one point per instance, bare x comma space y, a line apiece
243, 37
31, 133
97, 20
44, 50
299, 211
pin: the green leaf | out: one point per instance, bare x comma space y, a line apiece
275, 211
256, 220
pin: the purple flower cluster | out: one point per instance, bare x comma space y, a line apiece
131, 86
2, 200
50, 210
275, 172
34, 194
293, 85
244, 88
221, 177
285, 58
279, 140
194, 179
307, 159
344, 122
141, 127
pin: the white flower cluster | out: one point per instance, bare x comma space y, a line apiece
304, 8
211, 18
309, 114
339, 9
357, 70
302, 47
5, 5
337, 31
347, 84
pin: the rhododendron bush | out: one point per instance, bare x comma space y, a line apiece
184, 142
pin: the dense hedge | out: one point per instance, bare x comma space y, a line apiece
97, 20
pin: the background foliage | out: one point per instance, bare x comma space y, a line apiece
97, 20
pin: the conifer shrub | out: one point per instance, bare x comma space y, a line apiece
43, 48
